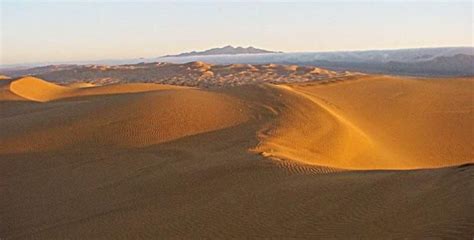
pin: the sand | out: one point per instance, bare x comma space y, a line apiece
128, 120
376, 122
257, 161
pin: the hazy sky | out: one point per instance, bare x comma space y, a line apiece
64, 31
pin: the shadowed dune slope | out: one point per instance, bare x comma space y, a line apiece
375, 122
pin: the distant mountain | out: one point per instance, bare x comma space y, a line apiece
227, 50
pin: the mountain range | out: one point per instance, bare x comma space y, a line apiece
227, 50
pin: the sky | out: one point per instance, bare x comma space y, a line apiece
46, 31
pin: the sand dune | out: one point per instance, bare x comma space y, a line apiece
126, 120
416, 123
309, 131
38, 90
252, 161
376, 122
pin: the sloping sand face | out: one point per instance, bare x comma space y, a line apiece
374, 122
154, 161
392, 123
36, 89
159, 114
309, 131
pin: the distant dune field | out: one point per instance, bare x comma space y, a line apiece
353, 157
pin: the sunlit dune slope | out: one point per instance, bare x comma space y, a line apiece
376, 122
311, 132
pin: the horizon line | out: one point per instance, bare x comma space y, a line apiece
59, 62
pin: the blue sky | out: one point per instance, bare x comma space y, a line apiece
86, 30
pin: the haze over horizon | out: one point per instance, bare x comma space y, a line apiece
77, 31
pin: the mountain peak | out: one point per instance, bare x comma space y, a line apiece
226, 50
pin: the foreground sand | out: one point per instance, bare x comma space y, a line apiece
259, 161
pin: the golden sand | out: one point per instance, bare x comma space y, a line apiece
132, 161
376, 122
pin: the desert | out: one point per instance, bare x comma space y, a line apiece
331, 120
341, 157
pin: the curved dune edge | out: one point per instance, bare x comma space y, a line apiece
311, 132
